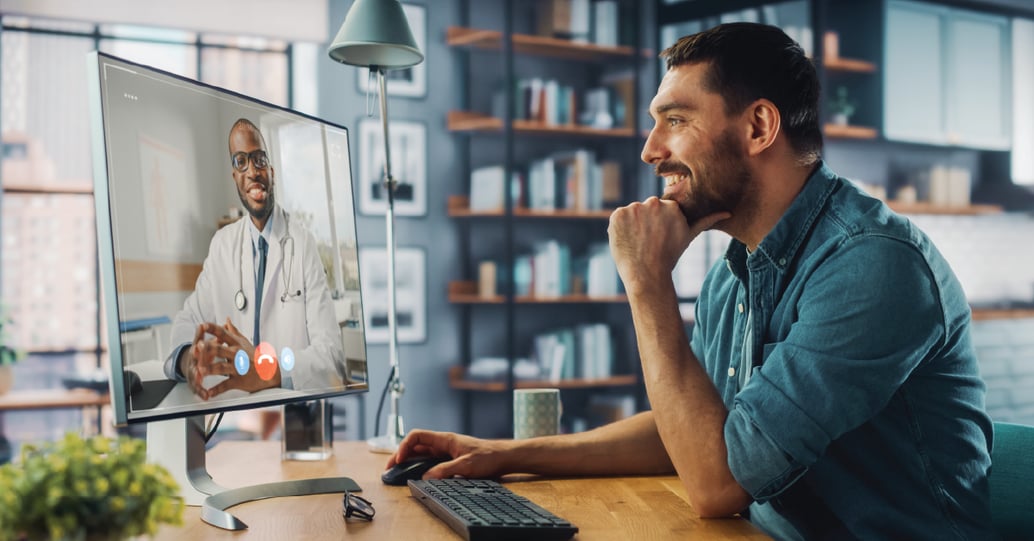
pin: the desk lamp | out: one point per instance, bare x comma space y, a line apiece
376, 35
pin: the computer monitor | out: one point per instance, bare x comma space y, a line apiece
201, 194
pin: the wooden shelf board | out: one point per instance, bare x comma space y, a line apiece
457, 380
985, 314
466, 292
849, 64
849, 132
52, 399
459, 207
930, 208
491, 40
465, 121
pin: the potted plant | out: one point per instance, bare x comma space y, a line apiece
86, 490
841, 107
8, 355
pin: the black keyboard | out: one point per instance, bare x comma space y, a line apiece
485, 510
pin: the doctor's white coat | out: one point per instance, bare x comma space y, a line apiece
303, 319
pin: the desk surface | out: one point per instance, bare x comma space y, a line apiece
603, 508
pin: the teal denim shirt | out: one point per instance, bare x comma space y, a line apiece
863, 413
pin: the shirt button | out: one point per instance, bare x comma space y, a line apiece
740, 307
782, 261
732, 372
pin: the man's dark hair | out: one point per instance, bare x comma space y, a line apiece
749, 61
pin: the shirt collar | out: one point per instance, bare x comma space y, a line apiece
266, 232
780, 245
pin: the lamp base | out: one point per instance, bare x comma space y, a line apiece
383, 444
389, 442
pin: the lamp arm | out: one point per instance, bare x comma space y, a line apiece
395, 428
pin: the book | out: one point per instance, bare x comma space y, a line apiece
486, 188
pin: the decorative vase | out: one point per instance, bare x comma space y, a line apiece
6, 378
840, 119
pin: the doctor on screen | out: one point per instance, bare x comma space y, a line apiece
282, 335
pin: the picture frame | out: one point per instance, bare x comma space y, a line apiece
408, 166
408, 82
410, 293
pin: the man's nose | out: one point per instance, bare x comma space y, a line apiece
654, 150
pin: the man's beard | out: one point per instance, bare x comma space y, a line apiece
262, 212
724, 187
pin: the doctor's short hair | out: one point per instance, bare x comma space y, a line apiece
750, 61
245, 123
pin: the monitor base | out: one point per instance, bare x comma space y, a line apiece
179, 446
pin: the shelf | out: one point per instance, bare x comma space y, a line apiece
457, 380
466, 121
849, 132
849, 65
466, 292
930, 208
987, 314
459, 207
492, 40
52, 399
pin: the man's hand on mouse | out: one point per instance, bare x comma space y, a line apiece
472, 458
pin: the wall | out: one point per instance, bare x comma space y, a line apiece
427, 402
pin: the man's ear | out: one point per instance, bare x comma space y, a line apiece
763, 123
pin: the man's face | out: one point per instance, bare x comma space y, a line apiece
254, 183
695, 146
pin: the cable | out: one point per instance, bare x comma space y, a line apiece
213, 426
380, 406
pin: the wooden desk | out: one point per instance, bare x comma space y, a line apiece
620, 508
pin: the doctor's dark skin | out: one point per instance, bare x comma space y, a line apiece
254, 184
215, 345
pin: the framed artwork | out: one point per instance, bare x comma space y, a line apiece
408, 166
410, 294
409, 82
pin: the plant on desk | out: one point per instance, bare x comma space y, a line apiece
86, 490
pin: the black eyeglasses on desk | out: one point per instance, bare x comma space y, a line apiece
357, 506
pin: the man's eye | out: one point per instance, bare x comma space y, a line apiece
672, 122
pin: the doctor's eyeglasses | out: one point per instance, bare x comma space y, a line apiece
258, 158
357, 507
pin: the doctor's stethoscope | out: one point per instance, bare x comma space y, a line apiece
240, 300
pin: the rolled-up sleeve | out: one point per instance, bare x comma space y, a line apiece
862, 322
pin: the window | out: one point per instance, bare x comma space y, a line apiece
48, 264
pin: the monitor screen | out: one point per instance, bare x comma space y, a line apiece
226, 232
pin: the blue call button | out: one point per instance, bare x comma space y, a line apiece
241, 362
286, 360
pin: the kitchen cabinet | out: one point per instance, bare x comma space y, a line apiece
947, 78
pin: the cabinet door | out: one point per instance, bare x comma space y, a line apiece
913, 89
978, 80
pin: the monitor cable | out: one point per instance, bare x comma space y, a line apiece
380, 407
213, 425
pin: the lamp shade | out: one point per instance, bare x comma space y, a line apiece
376, 33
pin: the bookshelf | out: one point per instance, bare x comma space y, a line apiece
509, 322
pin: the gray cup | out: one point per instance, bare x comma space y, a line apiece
536, 412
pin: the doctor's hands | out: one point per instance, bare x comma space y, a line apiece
212, 353
647, 238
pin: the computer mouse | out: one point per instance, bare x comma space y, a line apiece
414, 468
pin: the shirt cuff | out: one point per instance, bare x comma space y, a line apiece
172, 368
759, 465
